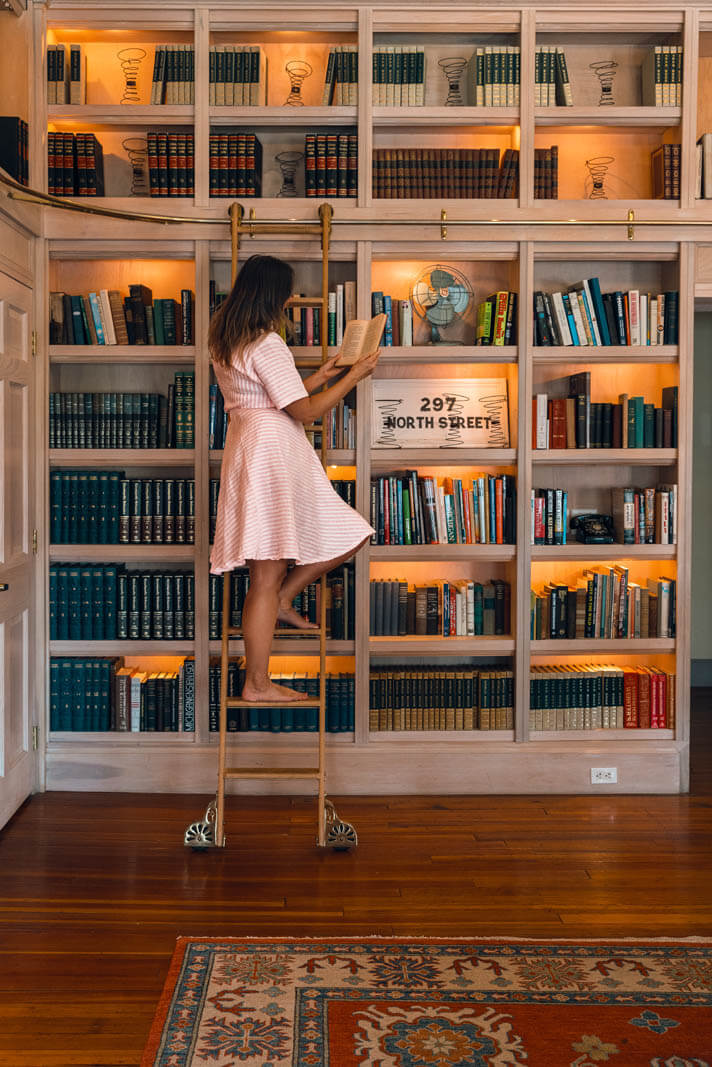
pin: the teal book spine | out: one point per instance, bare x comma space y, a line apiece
65, 695
55, 507
116, 480
54, 694
79, 695
169, 606
74, 598
189, 607
102, 510
179, 615
82, 530
53, 591
86, 610
106, 602
146, 604
62, 603
639, 404
122, 606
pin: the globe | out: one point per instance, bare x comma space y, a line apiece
441, 296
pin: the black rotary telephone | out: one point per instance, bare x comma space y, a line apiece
593, 529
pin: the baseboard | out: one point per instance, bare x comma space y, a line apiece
701, 672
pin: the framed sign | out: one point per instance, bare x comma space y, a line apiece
440, 413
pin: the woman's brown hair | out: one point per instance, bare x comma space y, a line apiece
254, 307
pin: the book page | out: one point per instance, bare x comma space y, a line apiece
360, 338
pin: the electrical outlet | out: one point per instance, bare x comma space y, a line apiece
604, 775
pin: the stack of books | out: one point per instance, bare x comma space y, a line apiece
66, 74
286, 718
13, 148
341, 78
645, 516
600, 697
170, 164
105, 602
549, 516
235, 163
105, 318
497, 319
661, 76
461, 608
410, 509
584, 316
493, 75
331, 164
665, 171
398, 329
430, 698
93, 694
399, 76
173, 79
604, 604
238, 76
75, 165
551, 78
565, 417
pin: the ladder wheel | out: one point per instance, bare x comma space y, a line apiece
201, 834
339, 836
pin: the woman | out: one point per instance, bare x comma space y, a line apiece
276, 503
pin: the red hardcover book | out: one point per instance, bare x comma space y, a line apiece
644, 701
630, 698
557, 422
498, 512
332, 165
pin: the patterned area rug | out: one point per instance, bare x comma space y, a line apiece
390, 1002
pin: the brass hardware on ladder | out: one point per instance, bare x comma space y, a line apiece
34, 343
331, 831
34, 542
631, 217
443, 226
35, 738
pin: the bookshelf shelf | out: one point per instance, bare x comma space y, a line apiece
615, 552
638, 457
148, 354
428, 645
424, 553
123, 648
383, 244
597, 646
123, 457
123, 553
629, 117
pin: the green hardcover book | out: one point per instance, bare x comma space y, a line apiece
169, 512
190, 511
180, 510
79, 695
106, 602
157, 607
190, 607
157, 317
146, 601
64, 686
82, 517
638, 403
147, 511
649, 426
54, 694
631, 423
124, 535
157, 511
134, 605
122, 606
99, 483
74, 603
144, 420
135, 515
169, 606
214, 606
179, 620
179, 432
55, 507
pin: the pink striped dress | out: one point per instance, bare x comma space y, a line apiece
275, 501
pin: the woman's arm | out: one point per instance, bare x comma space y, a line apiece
309, 408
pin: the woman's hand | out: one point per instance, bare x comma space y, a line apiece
364, 366
328, 370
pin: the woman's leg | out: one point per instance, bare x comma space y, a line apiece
301, 576
259, 615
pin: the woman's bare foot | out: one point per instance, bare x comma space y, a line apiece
292, 617
272, 694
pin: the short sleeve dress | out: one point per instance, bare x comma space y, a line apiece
275, 500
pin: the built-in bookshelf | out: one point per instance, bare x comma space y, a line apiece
385, 735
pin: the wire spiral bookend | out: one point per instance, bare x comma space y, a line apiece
598, 168
136, 149
605, 71
298, 70
452, 67
130, 60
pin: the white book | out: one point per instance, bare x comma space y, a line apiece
135, 706
643, 315
653, 320
440, 515
592, 310
489, 88
634, 315
339, 314
542, 420
406, 333
470, 609
557, 302
578, 318
461, 609
106, 319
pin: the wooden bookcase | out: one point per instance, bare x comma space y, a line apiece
514, 244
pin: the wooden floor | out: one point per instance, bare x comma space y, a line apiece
95, 888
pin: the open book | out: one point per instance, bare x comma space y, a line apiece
361, 337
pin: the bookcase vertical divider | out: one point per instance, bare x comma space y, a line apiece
202, 483
38, 101
365, 107
524, 485
527, 129
688, 128
201, 130
362, 664
41, 491
684, 482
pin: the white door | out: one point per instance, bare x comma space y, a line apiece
18, 761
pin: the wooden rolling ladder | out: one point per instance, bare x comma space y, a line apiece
332, 832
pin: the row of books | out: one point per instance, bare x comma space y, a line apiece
173, 78
66, 74
238, 75
125, 420
551, 77
432, 698
104, 507
101, 694
235, 163
444, 608
410, 509
306, 322
331, 164
75, 164
398, 76
640, 516
597, 697
661, 75
105, 602
460, 173
171, 164
340, 602
583, 315
286, 718
497, 319
665, 172
493, 76
341, 76
574, 421
604, 604
14, 155
105, 318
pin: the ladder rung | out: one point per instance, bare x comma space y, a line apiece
236, 702
305, 302
271, 772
